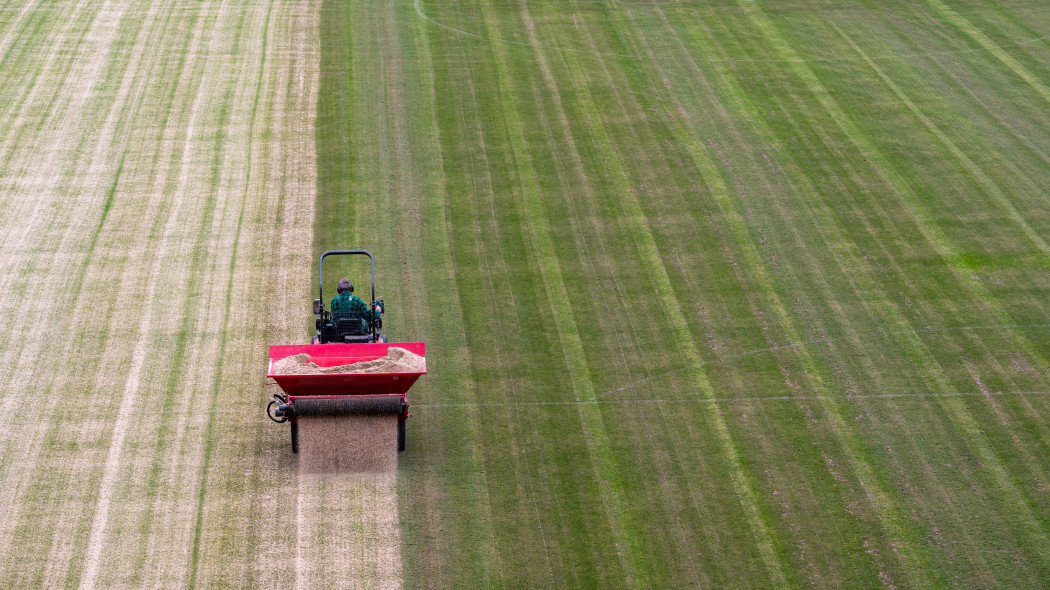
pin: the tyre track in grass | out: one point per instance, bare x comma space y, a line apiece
455, 363
233, 546
888, 173
603, 464
637, 227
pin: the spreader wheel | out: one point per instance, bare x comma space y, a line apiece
295, 437
401, 435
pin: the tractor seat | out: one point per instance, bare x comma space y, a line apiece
352, 326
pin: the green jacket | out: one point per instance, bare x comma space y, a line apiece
348, 305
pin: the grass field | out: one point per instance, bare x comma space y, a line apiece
719, 294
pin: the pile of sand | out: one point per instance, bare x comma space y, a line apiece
397, 360
356, 444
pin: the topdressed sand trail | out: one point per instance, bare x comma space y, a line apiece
347, 505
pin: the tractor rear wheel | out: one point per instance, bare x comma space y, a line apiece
401, 435
295, 437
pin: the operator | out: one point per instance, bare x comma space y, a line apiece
348, 305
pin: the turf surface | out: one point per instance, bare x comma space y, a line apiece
722, 294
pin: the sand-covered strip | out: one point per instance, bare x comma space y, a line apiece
133, 265
243, 540
162, 185
36, 327
142, 180
48, 121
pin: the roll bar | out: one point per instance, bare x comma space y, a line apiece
320, 270
320, 279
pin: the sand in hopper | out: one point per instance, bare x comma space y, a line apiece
348, 444
397, 360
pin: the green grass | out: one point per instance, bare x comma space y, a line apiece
723, 294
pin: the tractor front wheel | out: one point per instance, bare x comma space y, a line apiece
295, 437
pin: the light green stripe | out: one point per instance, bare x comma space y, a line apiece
680, 337
542, 246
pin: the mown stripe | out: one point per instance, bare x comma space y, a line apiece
1037, 528
680, 336
441, 279
985, 181
606, 473
917, 562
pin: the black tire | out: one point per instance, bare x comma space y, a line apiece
401, 435
295, 437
